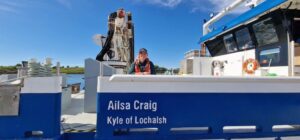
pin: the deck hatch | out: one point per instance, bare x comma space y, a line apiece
9, 100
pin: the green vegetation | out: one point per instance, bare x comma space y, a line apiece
163, 70
70, 70
160, 70
8, 69
67, 70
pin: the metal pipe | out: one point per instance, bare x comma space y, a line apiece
292, 58
11, 80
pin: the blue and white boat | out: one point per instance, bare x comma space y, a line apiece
246, 89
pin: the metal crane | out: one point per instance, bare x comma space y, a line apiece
118, 45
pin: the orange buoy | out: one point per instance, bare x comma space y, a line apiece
250, 66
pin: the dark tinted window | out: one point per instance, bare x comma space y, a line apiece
230, 43
296, 30
270, 56
265, 32
216, 47
243, 39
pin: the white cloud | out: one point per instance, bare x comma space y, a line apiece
66, 3
216, 6
197, 5
165, 3
8, 7
17, 6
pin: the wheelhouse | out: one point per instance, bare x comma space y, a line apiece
268, 33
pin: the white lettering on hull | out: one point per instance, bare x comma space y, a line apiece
150, 120
137, 105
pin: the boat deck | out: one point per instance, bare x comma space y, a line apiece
74, 119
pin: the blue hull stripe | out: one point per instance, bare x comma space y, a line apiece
212, 110
38, 112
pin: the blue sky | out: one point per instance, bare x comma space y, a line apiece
63, 29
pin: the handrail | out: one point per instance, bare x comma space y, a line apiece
14, 79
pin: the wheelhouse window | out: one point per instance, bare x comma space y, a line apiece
216, 47
270, 56
265, 32
296, 31
243, 39
230, 43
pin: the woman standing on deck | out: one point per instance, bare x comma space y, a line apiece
142, 65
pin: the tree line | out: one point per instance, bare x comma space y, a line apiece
63, 69
73, 70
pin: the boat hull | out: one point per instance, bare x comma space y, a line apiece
37, 113
196, 115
